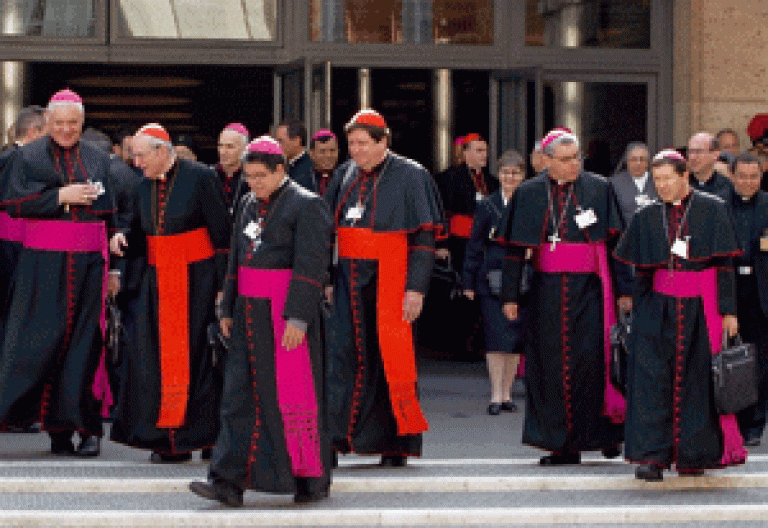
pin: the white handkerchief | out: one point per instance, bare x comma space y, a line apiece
585, 218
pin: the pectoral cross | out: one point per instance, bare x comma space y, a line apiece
554, 239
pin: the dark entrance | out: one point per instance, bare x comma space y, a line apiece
194, 100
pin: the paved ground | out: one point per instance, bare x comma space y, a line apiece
474, 472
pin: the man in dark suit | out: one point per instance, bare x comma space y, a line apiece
634, 187
292, 136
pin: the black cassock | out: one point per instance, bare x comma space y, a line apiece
751, 223
190, 198
669, 381
564, 344
251, 450
53, 340
398, 196
9, 249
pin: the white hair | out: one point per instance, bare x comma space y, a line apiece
157, 142
64, 104
563, 139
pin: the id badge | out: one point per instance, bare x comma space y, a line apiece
479, 196
252, 230
680, 248
585, 218
354, 213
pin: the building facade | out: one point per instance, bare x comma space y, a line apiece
614, 71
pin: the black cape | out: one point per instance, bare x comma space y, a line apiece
195, 200
400, 196
564, 347
53, 341
669, 340
251, 449
302, 171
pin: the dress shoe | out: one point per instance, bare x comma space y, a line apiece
334, 459
89, 447
223, 492
206, 453
611, 452
649, 472
690, 472
394, 460
509, 406
165, 458
494, 409
305, 496
560, 459
62, 447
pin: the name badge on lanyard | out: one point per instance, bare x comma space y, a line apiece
680, 248
585, 218
355, 213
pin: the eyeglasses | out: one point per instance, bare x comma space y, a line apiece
576, 158
748, 177
638, 159
698, 152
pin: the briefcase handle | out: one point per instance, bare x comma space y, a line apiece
736, 340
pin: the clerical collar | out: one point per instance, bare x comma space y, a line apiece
164, 176
227, 176
684, 200
504, 199
273, 195
378, 167
747, 199
294, 160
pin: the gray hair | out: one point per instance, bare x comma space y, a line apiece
29, 118
564, 139
157, 142
64, 104
511, 158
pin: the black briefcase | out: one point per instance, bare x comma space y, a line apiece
734, 376
220, 345
619, 351
446, 281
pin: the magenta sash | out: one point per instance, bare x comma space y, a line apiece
293, 373
78, 237
592, 257
703, 284
11, 229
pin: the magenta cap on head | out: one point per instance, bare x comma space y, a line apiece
324, 133
265, 145
237, 127
669, 154
66, 96
458, 141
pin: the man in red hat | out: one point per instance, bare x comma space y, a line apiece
62, 188
566, 217
273, 435
387, 213
232, 142
168, 399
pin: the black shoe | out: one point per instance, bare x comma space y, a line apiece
690, 472
611, 452
494, 409
394, 460
334, 459
224, 493
206, 453
163, 458
560, 459
305, 496
62, 447
509, 406
89, 447
649, 472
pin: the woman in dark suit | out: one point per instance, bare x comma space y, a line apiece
481, 276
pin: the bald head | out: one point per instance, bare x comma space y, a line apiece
702, 155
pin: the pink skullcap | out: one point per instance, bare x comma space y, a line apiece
265, 145
554, 134
156, 131
237, 127
367, 117
669, 154
323, 133
66, 96
459, 141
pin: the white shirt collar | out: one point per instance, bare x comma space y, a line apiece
640, 182
504, 199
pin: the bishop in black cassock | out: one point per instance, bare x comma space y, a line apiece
273, 428
683, 250
567, 217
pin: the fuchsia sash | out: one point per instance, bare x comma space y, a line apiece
77, 237
574, 257
293, 373
703, 284
11, 229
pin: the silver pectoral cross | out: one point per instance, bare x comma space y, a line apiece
554, 239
